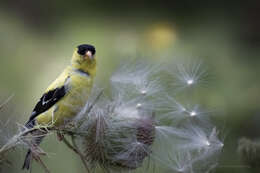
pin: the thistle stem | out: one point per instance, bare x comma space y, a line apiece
13, 141
69, 145
43, 165
79, 153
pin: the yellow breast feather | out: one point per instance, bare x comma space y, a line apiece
78, 87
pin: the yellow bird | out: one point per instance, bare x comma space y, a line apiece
67, 95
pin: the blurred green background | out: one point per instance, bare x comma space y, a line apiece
37, 39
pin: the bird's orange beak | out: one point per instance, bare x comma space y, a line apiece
89, 55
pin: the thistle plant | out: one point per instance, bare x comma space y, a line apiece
142, 121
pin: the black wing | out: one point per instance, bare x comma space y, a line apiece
46, 102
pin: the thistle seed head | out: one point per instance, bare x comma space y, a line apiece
116, 143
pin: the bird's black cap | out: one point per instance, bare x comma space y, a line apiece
83, 48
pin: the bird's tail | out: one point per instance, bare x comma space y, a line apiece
27, 160
28, 157
39, 135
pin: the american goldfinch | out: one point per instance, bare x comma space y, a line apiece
67, 95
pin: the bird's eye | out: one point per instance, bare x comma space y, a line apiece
82, 49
